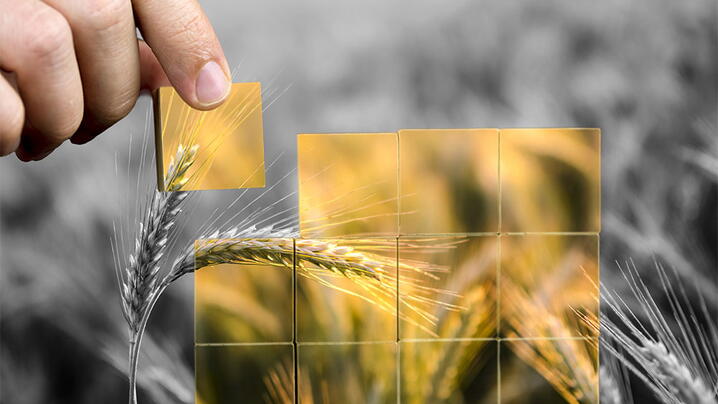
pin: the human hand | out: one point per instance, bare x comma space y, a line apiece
72, 68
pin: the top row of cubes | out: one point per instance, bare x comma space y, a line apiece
449, 181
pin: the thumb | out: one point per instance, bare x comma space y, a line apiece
181, 37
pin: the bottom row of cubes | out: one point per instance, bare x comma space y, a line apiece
470, 371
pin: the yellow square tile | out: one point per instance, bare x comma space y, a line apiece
218, 149
347, 373
244, 374
247, 299
348, 184
447, 286
449, 181
547, 282
346, 290
550, 180
448, 372
549, 371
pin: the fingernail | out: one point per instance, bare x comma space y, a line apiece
212, 84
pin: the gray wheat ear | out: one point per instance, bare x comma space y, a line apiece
676, 357
139, 281
140, 277
676, 376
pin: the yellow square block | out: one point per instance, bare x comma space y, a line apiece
552, 371
348, 184
347, 373
547, 283
448, 371
202, 150
246, 302
346, 290
449, 181
447, 287
550, 180
247, 374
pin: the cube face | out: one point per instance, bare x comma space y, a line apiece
347, 373
447, 287
348, 184
227, 142
449, 371
244, 374
545, 281
550, 180
549, 371
449, 181
236, 303
355, 299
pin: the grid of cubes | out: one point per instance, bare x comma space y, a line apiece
481, 249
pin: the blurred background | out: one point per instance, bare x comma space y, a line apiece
645, 72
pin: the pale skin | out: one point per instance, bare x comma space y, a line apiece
70, 69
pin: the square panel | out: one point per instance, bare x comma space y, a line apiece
347, 373
346, 290
550, 180
244, 374
218, 149
248, 299
449, 181
547, 282
348, 184
447, 287
448, 372
549, 371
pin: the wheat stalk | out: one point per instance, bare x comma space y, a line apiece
677, 362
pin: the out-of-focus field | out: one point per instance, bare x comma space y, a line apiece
645, 72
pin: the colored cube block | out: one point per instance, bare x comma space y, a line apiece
346, 290
202, 150
447, 286
245, 300
347, 373
550, 180
348, 184
549, 371
547, 282
449, 181
449, 371
244, 374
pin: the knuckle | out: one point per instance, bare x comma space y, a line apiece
106, 15
52, 34
190, 30
109, 113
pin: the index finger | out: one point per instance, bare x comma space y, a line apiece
181, 36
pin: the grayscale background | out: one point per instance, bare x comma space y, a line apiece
646, 72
